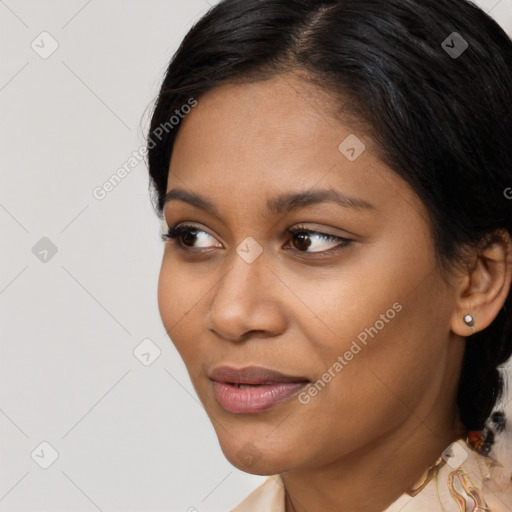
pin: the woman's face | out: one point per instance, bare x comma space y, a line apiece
367, 322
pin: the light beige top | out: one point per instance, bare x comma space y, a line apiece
463, 484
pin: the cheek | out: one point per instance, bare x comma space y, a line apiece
343, 307
169, 287
180, 297
392, 339
375, 388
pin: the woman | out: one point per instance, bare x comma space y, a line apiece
335, 177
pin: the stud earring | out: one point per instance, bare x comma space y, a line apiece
469, 320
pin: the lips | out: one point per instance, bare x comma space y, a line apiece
253, 389
252, 375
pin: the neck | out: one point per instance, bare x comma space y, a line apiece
372, 477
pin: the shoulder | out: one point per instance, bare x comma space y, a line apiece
471, 476
468, 481
268, 497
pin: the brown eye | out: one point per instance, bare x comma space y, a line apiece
303, 239
188, 235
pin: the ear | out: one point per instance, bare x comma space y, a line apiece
484, 287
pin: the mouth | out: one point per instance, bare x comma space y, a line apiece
253, 389
248, 386
252, 376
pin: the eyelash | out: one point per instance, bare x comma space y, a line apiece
175, 232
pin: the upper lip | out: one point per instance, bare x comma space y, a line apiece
251, 375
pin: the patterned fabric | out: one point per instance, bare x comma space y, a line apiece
463, 484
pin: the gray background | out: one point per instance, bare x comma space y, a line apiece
129, 432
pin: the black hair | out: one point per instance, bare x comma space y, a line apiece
431, 80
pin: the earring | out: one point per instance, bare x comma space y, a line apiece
469, 320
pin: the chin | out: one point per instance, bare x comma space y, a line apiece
251, 459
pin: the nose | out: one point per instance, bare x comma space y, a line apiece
248, 301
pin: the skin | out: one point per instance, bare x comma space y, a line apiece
376, 427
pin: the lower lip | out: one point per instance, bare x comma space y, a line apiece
257, 399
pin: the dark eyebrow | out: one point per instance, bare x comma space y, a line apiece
297, 200
279, 204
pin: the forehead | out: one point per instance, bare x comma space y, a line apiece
259, 139
284, 110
